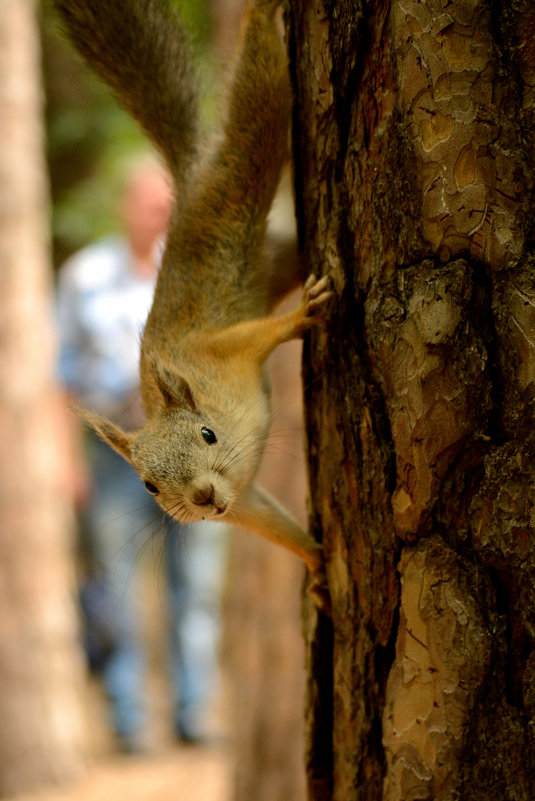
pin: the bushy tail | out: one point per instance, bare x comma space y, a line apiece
235, 190
140, 49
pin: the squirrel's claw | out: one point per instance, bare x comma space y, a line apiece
319, 590
317, 293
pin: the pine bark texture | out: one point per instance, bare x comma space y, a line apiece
414, 151
42, 727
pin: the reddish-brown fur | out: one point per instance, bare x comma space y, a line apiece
209, 331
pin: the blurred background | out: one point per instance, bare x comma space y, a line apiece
89, 621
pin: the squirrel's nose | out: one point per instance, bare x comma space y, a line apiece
202, 496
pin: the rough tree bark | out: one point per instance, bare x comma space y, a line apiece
41, 733
415, 169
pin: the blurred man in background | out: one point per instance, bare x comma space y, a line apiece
104, 295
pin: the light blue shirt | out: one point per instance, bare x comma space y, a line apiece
102, 308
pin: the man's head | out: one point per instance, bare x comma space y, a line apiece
146, 207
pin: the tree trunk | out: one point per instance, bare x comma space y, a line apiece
413, 142
40, 669
264, 644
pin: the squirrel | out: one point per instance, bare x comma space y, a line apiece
204, 387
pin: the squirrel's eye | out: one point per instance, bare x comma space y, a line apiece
208, 435
152, 488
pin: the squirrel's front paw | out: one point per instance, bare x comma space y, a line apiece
316, 296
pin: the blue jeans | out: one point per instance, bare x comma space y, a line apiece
194, 566
119, 521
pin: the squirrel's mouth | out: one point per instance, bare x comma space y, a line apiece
217, 510
211, 512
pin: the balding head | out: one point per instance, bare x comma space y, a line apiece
146, 207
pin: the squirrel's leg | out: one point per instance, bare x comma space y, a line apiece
256, 339
259, 512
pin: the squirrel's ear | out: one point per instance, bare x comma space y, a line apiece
119, 440
174, 389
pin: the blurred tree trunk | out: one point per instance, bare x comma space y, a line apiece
415, 172
226, 16
264, 640
263, 643
41, 736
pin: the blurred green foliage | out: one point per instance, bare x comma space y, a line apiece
90, 139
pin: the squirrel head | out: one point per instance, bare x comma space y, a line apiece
194, 469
